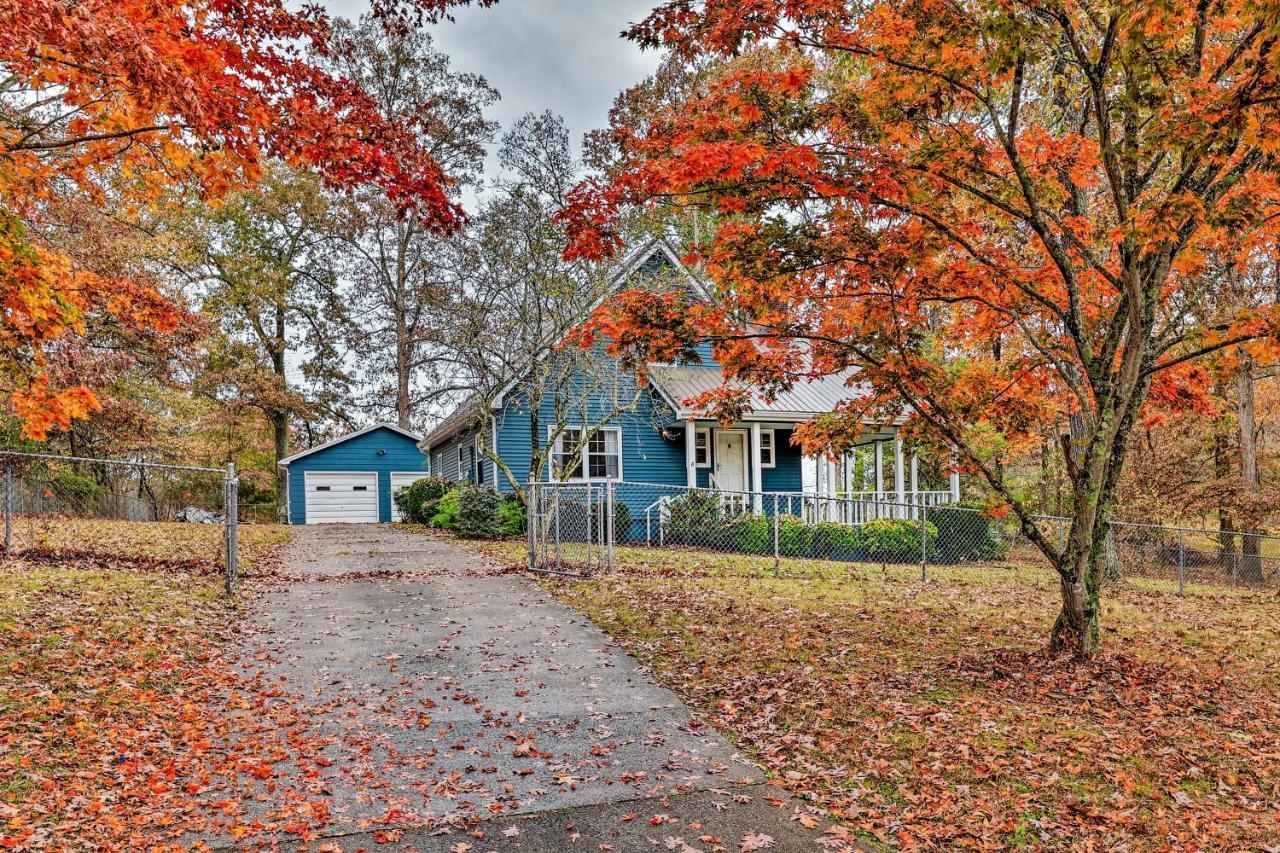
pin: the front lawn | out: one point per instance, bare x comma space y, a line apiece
928, 714
119, 718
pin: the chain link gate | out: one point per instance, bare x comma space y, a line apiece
117, 508
571, 528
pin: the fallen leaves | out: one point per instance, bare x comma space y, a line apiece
928, 715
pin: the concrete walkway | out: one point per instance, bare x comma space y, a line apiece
446, 691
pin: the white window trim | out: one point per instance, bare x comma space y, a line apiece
586, 477
773, 448
702, 433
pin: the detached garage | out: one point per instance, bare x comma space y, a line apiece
350, 480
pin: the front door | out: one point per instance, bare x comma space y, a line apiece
731, 461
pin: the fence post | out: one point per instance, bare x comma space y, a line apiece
230, 508
531, 519
924, 543
8, 508
609, 517
777, 521
1182, 562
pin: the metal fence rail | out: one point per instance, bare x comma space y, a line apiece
121, 508
574, 528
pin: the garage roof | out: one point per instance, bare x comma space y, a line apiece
344, 438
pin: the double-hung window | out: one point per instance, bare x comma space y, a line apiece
600, 459
767, 449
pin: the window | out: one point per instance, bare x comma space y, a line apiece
702, 448
359, 488
766, 449
601, 459
322, 488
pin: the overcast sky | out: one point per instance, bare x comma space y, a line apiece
561, 55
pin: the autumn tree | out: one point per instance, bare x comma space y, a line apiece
112, 102
396, 269
259, 265
997, 213
517, 300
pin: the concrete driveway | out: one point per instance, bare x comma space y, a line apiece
457, 704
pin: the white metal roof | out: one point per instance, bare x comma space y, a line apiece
803, 400
342, 438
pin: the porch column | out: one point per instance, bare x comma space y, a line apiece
955, 480
899, 471
879, 469
691, 453
757, 474
915, 484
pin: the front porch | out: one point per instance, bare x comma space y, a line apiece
753, 466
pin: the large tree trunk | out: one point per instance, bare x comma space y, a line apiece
1077, 629
1250, 568
1228, 557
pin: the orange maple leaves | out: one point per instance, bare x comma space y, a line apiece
114, 102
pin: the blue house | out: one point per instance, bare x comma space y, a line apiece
351, 479
651, 435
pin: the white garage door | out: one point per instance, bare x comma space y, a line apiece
345, 498
399, 481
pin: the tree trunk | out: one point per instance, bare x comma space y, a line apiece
403, 371
1250, 568
1228, 558
280, 417
1077, 629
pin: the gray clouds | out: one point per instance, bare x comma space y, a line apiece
561, 55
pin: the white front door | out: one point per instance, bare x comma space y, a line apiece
401, 480
731, 460
334, 497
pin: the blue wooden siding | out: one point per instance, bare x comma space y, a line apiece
359, 454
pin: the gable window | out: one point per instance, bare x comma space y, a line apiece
702, 448
601, 459
767, 458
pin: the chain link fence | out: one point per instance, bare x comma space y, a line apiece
67, 506
575, 528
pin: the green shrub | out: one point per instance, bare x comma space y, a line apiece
621, 521
446, 509
695, 519
892, 540
77, 492
832, 541
511, 515
752, 534
965, 534
419, 501
795, 538
477, 516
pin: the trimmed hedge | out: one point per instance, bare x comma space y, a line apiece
477, 515
511, 515
966, 534
891, 540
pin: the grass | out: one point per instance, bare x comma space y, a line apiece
156, 540
928, 713
110, 680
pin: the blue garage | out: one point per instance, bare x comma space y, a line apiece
350, 480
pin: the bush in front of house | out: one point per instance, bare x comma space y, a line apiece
833, 541
446, 509
795, 538
893, 540
419, 501
477, 516
511, 515
752, 534
694, 519
965, 534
